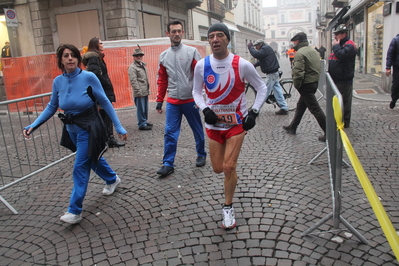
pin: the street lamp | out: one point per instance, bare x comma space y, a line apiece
234, 2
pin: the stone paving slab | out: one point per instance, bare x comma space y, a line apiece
176, 220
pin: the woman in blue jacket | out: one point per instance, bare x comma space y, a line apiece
76, 92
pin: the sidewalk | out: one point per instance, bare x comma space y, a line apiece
176, 220
367, 90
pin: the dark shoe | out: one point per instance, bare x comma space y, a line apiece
165, 170
289, 130
113, 142
200, 161
146, 127
346, 125
392, 104
149, 124
322, 138
281, 112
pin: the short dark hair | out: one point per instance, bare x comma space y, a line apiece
174, 22
60, 51
94, 44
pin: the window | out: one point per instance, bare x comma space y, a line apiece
375, 34
73, 27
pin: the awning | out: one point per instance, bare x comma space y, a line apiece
232, 27
337, 18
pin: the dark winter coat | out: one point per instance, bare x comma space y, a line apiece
306, 67
322, 51
267, 59
341, 64
95, 63
393, 53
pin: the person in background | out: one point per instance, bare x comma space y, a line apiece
393, 62
141, 89
6, 50
93, 59
267, 60
322, 51
305, 75
341, 66
227, 119
291, 54
75, 92
175, 75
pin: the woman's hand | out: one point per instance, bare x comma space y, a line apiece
123, 137
27, 133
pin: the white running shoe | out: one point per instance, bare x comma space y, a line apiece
71, 218
229, 218
109, 189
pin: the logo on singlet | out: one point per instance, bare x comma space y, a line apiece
210, 79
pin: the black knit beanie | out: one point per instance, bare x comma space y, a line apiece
219, 27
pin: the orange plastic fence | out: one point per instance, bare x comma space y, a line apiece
32, 75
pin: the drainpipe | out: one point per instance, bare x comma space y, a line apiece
103, 20
142, 17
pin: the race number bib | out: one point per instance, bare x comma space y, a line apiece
227, 117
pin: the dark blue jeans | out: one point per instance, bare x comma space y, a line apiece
141, 110
395, 84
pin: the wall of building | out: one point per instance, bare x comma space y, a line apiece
117, 20
281, 23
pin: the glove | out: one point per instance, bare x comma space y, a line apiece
249, 121
250, 45
210, 117
159, 106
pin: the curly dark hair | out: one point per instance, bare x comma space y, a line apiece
60, 51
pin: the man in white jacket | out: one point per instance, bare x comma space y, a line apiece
225, 109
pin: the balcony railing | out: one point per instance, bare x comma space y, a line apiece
192, 3
216, 8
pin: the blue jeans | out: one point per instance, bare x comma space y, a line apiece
174, 114
142, 110
272, 82
81, 170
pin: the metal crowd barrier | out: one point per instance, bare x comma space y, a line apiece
22, 158
334, 150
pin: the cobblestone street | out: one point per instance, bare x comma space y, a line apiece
176, 220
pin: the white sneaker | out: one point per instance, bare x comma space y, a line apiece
71, 218
109, 189
229, 218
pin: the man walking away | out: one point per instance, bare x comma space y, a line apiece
393, 61
269, 65
305, 75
